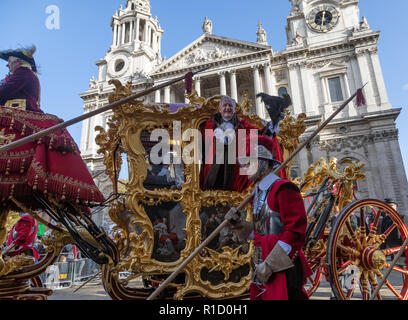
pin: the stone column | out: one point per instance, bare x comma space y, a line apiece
366, 78
149, 34
157, 96
167, 95
268, 80
115, 34
123, 27
137, 29
379, 78
257, 89
233, 84
295, 90
223, 86
346, 86
310, 106
351, 76
119, 38
197, 85
131, 31
146, 35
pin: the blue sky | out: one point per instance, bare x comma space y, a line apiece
67, 56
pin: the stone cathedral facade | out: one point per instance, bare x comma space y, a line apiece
330, 53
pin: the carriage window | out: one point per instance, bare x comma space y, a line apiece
168, 174
336, 93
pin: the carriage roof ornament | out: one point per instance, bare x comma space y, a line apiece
187, 78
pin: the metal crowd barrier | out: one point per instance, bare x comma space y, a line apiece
63, 275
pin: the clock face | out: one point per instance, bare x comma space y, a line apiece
323, 18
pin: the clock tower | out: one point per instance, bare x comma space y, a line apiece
316, 21
136, 44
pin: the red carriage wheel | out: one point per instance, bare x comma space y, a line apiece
360, 251
313, 282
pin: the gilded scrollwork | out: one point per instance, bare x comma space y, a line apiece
290, 129
344, 180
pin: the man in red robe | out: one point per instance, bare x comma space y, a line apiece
222, 130
278, 231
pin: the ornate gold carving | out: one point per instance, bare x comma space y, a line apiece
136, 239
11, 264
245, 107
290, 129
194, 98
224, 261
321, 170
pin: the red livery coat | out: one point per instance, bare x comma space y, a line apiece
285, 198
23, 84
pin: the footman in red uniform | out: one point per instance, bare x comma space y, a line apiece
278, 231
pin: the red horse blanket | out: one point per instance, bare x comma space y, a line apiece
52, 164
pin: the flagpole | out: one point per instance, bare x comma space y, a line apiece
248, 199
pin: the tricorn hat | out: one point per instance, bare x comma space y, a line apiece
25, 54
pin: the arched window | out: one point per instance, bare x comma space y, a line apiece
282, 91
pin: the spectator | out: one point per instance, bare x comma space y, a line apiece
21, 237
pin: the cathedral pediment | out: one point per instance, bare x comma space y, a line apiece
331, 68
207, 49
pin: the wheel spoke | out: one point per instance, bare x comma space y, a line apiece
390, 250
364, 283
351, 242
344, 267
398, 269
385, 235
373, 230
362, 227
374, 284
353, 234
391, 287
350, 251
350, 292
